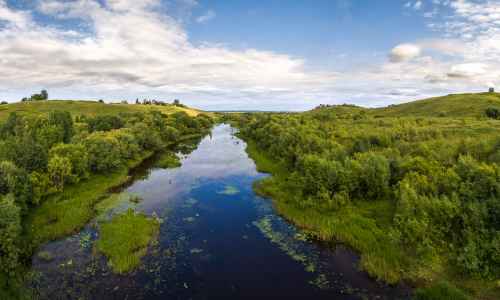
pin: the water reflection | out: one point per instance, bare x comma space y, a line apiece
218, 156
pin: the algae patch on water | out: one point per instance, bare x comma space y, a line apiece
124, 240
229, 190
288, 243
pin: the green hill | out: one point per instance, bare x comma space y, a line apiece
459, 105
456, 105
89, 108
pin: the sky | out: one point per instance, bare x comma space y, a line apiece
249, 55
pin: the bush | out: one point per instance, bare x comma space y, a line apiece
493, 113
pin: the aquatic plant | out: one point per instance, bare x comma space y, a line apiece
229, 190
124, 240
85, 240
45, 256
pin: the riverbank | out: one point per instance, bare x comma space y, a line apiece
67, 212
365, 228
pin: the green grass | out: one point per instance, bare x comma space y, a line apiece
124, 240
459, 105
67, 212
88, 108
440, 291
452, 106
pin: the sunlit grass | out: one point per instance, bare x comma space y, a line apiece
124, 240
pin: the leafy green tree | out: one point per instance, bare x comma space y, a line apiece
104, 152
77, 156
59, 171
10, 231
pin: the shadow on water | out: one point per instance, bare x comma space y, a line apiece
218, 239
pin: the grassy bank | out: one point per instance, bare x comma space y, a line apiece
366, 227
67, 212
125, 239
379, 256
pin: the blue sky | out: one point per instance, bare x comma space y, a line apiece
279, 55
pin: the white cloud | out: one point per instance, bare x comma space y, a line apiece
209, 15
404, 52
468, 70
134, 48
417, 5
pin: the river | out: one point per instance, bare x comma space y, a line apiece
218, 240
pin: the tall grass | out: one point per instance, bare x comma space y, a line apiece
124, 239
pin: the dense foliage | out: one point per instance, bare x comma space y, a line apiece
42, 155
427, 187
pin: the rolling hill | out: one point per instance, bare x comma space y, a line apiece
89, 108
454, 105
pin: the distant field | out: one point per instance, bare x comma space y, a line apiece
85, 108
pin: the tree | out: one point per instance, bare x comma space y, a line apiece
44, 95
78, 158
105, 123
64, 121
10, 231
59, 170
104, 152
4, 103
493, 112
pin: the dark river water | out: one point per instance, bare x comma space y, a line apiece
218, 239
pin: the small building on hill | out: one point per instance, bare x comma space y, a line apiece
492, 90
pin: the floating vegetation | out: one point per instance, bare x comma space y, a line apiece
85, 240
190, 202
124, 240
189, 219
168, 160
321, 282
229, 190
69, 263
45, 256
292, 244
196, 251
